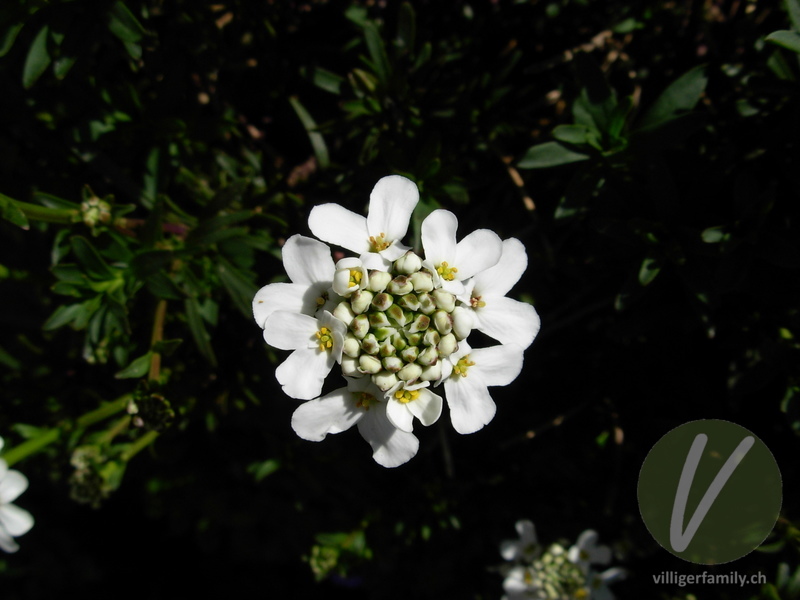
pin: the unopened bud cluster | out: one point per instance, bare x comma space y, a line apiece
400, 325
555, 577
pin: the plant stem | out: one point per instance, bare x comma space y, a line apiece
43, 213
158, 335
139, 445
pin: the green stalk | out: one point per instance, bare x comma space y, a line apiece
139, 445
43, 213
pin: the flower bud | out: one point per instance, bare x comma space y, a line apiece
409, 302
392, 364
378, 319
352, 347
463, 321
369, 364
398, 341
378, 280
428, 357
447, 345
370, 345
350, 276
415, 339
385, 380
426, 303
386, 349
360, 326
382, 333
350, 366
432, 372
422, 281
409, 373
443, 322
382, 301
408, 263
344, 313
397, 314
409, 353
444, 300
431, 337
421, 323
360, 301
400, 285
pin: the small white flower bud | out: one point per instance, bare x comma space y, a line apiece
447, 345
428, 357
409, 302
408, 263
426, 303
431, 338
422, 281
421, 323
443, 322
385, 380
370, 345
378, 319
432, 372
400, 285
392, 364
386, 349
369, 364
352, 347
382, 301
397, 314
350, 366
360, 301
378, 280
360, 326
463, 321
344, 313
410, 373
409, 353
350, 276
444, 300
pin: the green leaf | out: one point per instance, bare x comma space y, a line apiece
260, 470
572, 134
138, 368
38, 58
377, 52
680, 97
51, 201
793, 8
10, 211
549, 154
713, 235
326, 80
648, 271
167, 347
785, 39
62, 316
317, 141
406, 27
91, 260
62, 65
240, 289
8, 37
198, 329
123, 24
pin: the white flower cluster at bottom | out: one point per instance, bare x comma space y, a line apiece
14, 521
397, 323
555, 573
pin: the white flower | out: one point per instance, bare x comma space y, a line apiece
507, 320
350, 276
406, 401
317, 345
526, 548
14, 521
390, 206
587, 552
467, 375
597, 583
359, 403
519, 584
309, 265
451, 262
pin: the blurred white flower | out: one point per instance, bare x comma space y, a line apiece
526, 548
587, 552
14, 521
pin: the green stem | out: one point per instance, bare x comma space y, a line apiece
139, 445
43, 213
157, 336
49, 436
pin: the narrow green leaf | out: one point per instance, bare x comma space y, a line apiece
377, 52
38, 58
680, 97
198, 330
10, 211
406, 27
90, 258
549, 154
51, 201
571, 134
8, 37
317, 141
648, 271
326, 80
138, 368
62, 316
785, 39
240, 289
123, 24
793, 8
713, 235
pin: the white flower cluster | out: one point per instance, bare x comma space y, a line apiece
396, 323
556, 573
14, 521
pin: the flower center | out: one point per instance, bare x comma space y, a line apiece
378, 243
447, 272
325, 338
476, 302
322, 299
406, 396
364, 400
462, 366
355, 278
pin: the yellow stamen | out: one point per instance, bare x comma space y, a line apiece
325, 338
378, 243
476, 302
364, 400
447, 272
406, 396
462, 366
355, 278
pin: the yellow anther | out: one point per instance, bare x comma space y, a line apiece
378, 243
447, 272
406, 396
476, 302
364, 400
325, 339
462, 366
355, 278
322, 299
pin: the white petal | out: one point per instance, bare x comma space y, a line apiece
477, 252
390, 446
287, 330
427, 407
292, 297
395, 251
399, 415
390, 206
375, 262
7, 543
3, 468
1, 443
499, 279
15, 520
335, 224
496, 365
11, 486
439, 237
307, 260
508, 321
471, 406
333, 413
527, 531
303, 373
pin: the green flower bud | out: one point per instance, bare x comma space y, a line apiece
385, 380
463, 321
378, 319
370, 344
386, 349
409, 353
426, 303
398, 341
344, 313
352, 347
447, 345
378, 280
415, 339
369, 364
428, 357
409, 373
382, 301
400, 285
422, 281
409, 302
382, 333
444, 300
360, 301
397, 314
421, 323
408, 263
443, 322
392, 364
360, 326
